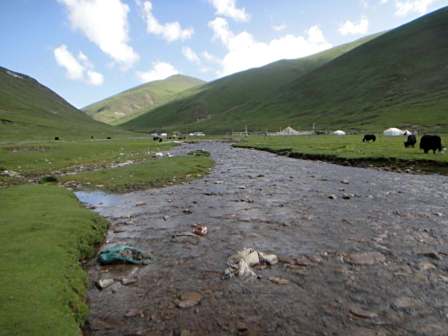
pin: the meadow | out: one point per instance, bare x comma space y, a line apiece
351, 150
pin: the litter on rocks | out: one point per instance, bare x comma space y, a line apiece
200, 230
123, 254
240, 263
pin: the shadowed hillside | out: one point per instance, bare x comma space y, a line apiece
222, 104
29, 110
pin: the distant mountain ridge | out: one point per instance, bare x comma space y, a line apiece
131, 103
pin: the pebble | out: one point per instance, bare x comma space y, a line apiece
188, 300
405, 302
365, 258
134, 313
279, 281
104, 283
128, 281
362, 313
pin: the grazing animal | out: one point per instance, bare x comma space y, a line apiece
108, 138
56, 138
411, 141
92, 137
369, 137
159, 139
431, 142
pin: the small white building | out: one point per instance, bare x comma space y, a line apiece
393, 132
198, 134
339, 132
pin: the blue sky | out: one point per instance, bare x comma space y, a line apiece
87, 50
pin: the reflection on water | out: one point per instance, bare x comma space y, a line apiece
98, 198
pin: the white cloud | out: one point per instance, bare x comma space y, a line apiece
66, 60
191, 55
351, 28
279, 28
244, 51
77, 68
170, 31
94, 78
105, 23
406, 7
229, 8
210, 58
160, 70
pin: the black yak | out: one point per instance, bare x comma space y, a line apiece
431, 142
369, 137
411, 141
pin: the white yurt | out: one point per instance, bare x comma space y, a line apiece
393, 132
339, 132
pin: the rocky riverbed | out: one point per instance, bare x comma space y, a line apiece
361, 252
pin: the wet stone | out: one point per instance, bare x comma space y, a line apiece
405, 302
188, 300
362, 313
279, 281
365, 258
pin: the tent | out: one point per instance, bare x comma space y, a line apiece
339, 132
288, 131
393, 132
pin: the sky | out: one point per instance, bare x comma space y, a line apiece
87, 50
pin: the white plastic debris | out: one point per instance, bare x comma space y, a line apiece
240, 263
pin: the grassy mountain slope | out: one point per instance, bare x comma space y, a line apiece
31, 111
220, 105
398, 79
131, 103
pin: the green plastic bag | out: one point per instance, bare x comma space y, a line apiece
123, 254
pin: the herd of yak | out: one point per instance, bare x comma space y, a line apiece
427, 142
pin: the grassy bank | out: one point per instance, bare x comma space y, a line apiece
35, 159
44, 232
151, 173
351, 150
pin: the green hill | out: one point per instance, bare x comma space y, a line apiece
398, 79
131, 103
393, 79
31, 111
221, 105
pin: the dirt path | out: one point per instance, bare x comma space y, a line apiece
365, 252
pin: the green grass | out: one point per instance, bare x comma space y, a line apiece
34, 159
396, 79
31, 111
131, 103
345, 147
152, 173
44, 232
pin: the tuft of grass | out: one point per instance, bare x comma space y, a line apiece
44, 233
152, 173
